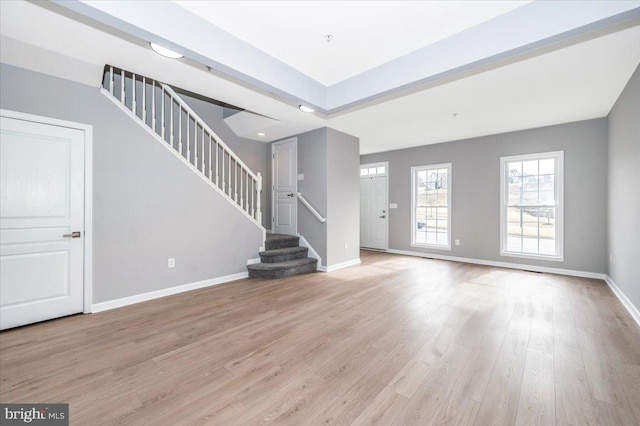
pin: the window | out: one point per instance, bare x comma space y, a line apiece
378, 170
531, 206
431, 206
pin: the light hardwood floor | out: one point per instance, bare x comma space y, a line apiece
396, 340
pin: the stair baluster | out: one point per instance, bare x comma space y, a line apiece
243, 191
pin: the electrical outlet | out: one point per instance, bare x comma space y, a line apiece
611, 257
457, 242
171, 263
345, 245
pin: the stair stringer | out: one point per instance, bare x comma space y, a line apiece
312, 253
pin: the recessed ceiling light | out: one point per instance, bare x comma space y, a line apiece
304, 108
165, 52
261, 134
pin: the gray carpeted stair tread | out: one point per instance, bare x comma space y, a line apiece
285, 250
283, 254
276, 241
282, 265
282, 258
282, 269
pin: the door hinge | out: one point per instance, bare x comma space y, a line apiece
273, 155
273, 219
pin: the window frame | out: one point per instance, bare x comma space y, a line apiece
559, 204
429, 167
384, 164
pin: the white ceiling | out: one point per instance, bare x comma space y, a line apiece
365, 33
579, 82
576, 82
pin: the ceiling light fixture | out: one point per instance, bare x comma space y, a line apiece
165, 52
304, 108
261, 133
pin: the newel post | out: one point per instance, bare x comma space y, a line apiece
258, 202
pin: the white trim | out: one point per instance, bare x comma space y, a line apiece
88, 193
559, 190
339, 265
312, 252
559, 271
253, 261
635, 314
427, 167
130, 300
273, 185
186, 162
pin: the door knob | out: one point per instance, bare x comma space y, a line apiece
290, 195
76, 234
383, 216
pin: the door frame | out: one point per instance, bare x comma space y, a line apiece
88, 192
273, 180
386, 188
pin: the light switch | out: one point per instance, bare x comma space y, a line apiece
301, 176
393, 205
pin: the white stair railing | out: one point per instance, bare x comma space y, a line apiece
161, 110
308, 205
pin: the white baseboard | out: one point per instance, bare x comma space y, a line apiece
559, 271
253, 261
125, 301
339, 265
635, 314
312, 253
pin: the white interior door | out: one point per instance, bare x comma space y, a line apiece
374, 214
285, 186
41, 207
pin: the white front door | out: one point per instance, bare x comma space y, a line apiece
373, 212
41, 207
285, 186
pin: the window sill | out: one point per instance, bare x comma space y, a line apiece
431, 246
533, 256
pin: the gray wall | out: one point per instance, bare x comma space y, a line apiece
330, 161
343, 202
312, 162
147, 206
476, 191
624, 191
253, 153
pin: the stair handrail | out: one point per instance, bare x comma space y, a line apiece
204, 125
310, 207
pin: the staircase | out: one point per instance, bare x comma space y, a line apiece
283, 257
161, 112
